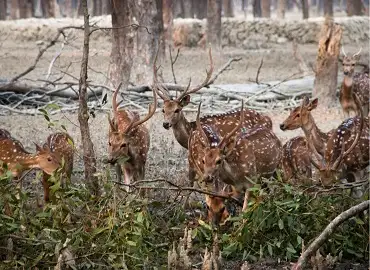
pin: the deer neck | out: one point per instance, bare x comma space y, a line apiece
347, 85
313, 133
227, 173
181, 130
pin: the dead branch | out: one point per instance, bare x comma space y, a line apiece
222, 69
297, 55
259, 70
173, 61
315, 245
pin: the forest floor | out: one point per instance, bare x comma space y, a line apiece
166, 157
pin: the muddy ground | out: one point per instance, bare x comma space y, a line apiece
166, 157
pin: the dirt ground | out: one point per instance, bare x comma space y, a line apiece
166, 157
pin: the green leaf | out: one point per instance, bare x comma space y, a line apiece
131, 243
299, 240
291, 250
281, 224
203, 224
140, 218
269, 248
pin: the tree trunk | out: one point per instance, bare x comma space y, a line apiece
83, 113
48, 8
97, 8
14, 12
167, 20
281, 9
200, 9
188, 8
68, 8
328, 8
228, 8
121, 57
257, 13
305, 9
266, 8
214, 23
354, 7
148, 13
3, 8
80, 10
325, 84
106, 7
25, 9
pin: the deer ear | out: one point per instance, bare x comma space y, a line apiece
305, 101
185, 101
313, 104
229, 147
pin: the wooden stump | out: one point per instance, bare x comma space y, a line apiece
326, 78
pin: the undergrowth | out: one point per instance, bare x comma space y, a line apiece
118, 230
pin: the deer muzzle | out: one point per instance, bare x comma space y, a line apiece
166, 125
282, 126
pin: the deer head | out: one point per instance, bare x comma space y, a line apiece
172, 108
121, 136
349, 62
216, 206
328, 169
300, 116
216, 151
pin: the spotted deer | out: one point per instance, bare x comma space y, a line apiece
174, 116
354, 82
18, 160
129, 140
347, 150
301, 117
295, 161
61, 145
240, 155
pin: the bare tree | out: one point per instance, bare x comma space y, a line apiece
3, 8
121, 56
305, 9
83, 114
188, 8
106, 7
354, 8
214, 23
228, 8
48, 8
149, 15
167, 20
325, 84
200, 8
97, 7
328, 8
25, 9
257, 8
266, 8
281, 9
14, 12
68, 11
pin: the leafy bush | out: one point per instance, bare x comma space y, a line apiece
277, 224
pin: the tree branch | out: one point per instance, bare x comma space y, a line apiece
317, 243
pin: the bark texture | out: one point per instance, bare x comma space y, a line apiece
354, 8
266, 8
48, 8
200, 9
281, 9
3, 7
257, 8
214, 23
83, 113
326, 79
97, 7
305, 9
328, 8
14, 11
122, 43
228, 7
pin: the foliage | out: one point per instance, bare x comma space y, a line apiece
113, 230
276, 225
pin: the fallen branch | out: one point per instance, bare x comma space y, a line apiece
317, 243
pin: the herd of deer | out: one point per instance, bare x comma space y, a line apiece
236, 148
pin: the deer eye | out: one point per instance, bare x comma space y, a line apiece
49, 159
297, 115
162, 110
123, 145
177, 110
109, 143
203, 161
218, 162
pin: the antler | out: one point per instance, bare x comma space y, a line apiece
358, 53
114, 101
199, 127
358, 135
228, 136
111, 123
344, 53
205, 82
160, 90
151, 111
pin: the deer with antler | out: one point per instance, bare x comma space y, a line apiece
61, 145
129, 139
295, 161
353, 82
237, 157
347, 150
174, 116
301, 117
